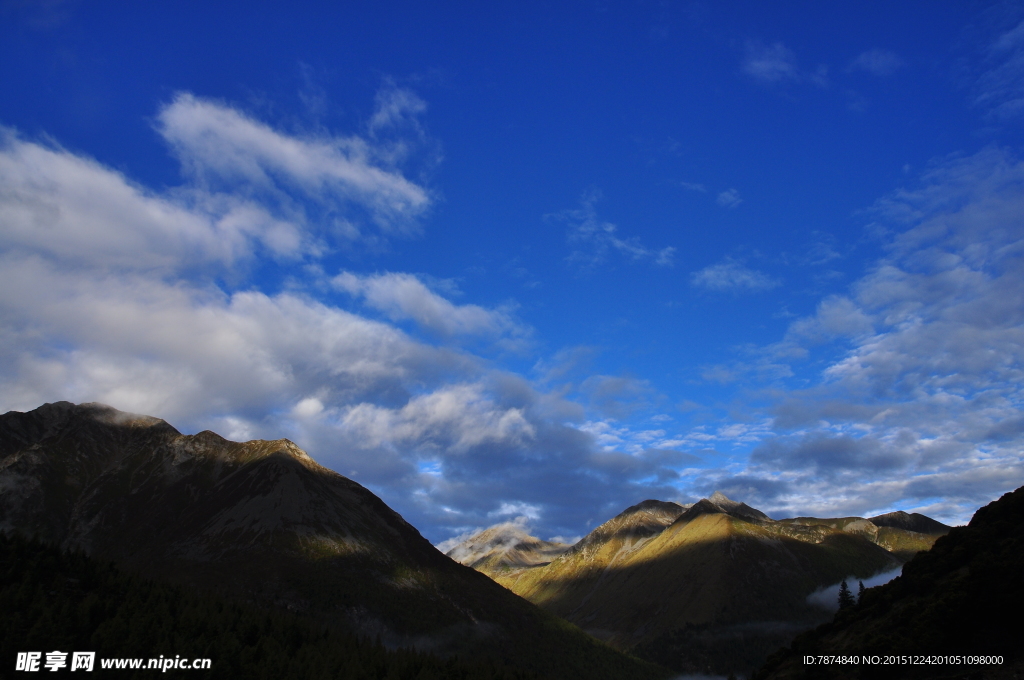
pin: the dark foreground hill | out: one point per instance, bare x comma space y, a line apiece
53, 600
712, 587
262, 522
963, 597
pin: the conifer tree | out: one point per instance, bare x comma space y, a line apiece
860, 591
845, 596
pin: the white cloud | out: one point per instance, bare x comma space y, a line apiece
182, 351
835, 316
404, 296
730, 275
110, 294
447, 544
219, 144
69, 208
920, 401
453, 419
523, 512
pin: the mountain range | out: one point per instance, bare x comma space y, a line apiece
262, 522
713, 586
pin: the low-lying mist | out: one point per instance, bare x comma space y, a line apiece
828, 597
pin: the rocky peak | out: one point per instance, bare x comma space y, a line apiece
701, 507
720, 503
736, 508
505, 545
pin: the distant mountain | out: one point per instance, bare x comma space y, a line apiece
902, 534
912, 522
261, 521
503, 547
710, 587
963, 597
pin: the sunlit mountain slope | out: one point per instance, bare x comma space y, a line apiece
716, 585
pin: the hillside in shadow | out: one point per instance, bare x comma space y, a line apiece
54, 600
261, 522
963, 597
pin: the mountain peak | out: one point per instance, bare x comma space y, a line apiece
505, 545
735, 508
701, 507
719, 498
914, 521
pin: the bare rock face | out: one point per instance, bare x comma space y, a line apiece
261, 521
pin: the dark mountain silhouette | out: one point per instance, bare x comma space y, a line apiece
54, 600
963, 597
262, 522
911, 522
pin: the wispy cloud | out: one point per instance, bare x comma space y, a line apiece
732, 276
404, 296
223, 149
1000, 88
595, 239
773, 63
396, 107
730, 198
877, 62
776, 64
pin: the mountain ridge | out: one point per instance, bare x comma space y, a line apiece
664, 576
262, 522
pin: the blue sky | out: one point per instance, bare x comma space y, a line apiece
535, 261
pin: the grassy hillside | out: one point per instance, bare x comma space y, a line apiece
690, 588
